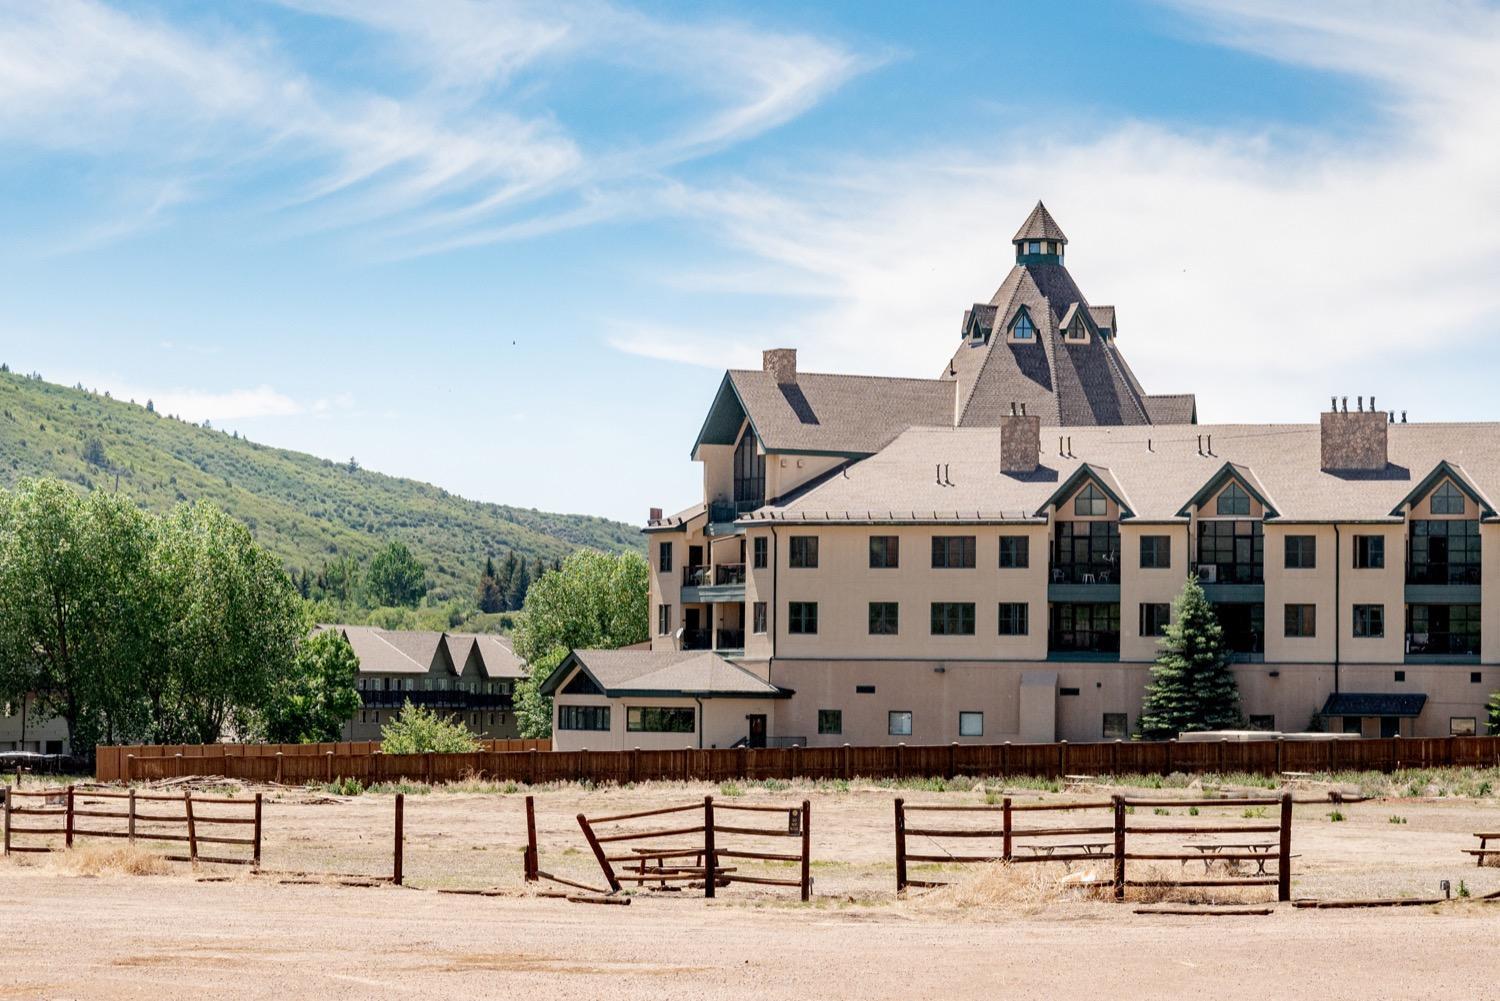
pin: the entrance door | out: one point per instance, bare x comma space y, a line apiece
757, 730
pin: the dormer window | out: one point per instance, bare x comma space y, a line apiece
1022, 329
1078, 332
1447, 499
1090, 503
1234, 500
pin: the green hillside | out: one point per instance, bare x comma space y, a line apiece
304, 509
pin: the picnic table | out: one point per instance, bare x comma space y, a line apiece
1262, 850
663, 869
1100, 849
1484, 851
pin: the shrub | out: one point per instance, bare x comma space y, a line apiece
1394, 819
1336, 816
417, 730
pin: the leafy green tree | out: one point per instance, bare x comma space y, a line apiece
1493, 710
339, 580
417, 730
395, 577
318, 696
1191, 686
596, 601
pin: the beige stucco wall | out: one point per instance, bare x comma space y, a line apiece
43, 735
785, 473
722, 722
1138, 586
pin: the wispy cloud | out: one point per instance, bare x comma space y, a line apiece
1292, 256
451, 153
196, 405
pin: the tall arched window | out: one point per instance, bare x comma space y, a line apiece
749, 475
1234, 500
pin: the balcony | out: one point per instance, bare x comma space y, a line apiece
722, 514
1437, 583
1092, 581
436, 700
729, 574
1084, 631
1464, 644
696, 639
697, 576
730, 639
721, 582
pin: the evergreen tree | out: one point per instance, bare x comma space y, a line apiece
1191, 687
490, 597
520, 583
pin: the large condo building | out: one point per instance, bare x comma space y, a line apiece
992, 555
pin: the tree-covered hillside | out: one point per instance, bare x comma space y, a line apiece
305, 510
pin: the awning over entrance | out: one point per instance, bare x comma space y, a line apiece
1373, 704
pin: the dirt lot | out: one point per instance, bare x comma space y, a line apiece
997, 933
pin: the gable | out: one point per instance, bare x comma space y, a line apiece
1444, 484
1239, 488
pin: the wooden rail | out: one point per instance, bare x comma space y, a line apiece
189, 820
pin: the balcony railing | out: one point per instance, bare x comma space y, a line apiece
1084, 642
696, 639
731, 639
696, 576
729, 573
1465, 644
1442, 573
1085, 573
1231, 573
381, 699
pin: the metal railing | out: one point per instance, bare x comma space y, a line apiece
1449, 644
1096, 572
436, 700
696, 575
696, 639
1442, 573
729, 573
731, 639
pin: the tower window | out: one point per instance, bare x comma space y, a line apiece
1034, 247
1022, 329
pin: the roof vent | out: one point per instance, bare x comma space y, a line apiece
781, 364
1354, 442
1020, 441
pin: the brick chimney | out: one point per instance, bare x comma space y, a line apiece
655, 516
1354, 442
1020, 441
781, 363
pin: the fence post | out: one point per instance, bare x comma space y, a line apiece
609, 870
427, 766
901, 760
1280, 755
129, 767
68, 825
278, 767
635, 765
1006, 829
953, 760
900, 844
330, 767
400, 837
130, 813
806, 851
8, 802
848, 766
531, 767
187, 805
1284, 858
794, 766
1119, 804
1171, 743
710, 862
256, 849
530, 862
1062, 758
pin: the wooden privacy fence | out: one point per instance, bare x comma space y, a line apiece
699, 846
299, 764
1122, 826
99, 810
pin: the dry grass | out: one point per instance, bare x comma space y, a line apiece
94, 859
1004, 886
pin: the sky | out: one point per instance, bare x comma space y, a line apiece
509, 248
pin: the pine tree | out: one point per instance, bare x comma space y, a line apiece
1191, 687
520, 583
490, 597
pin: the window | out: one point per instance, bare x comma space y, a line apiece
1353, 724
652, 719
803, 551
802, 617
885, 552
1447, 499
1156, 552
1013, 618
1301, 621
583, 718
1086, 552
864, 689
663, 619
883, 618
952, 552
1034, 247
1369, 552
1301, 552
1015, 552
1090, 502
760, 547
1085, 627
971, 724
1369, 621
749, 475
1155, 616
1262, 722
953, 618
830, 721
1461, 726
1022, 329
1235, 549
1400, 675
1116, 726
898, 723
758, 617
664, 557
1234, 500
1444, 552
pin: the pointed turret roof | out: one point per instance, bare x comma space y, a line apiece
1039, 226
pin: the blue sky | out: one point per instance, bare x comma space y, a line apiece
508, 248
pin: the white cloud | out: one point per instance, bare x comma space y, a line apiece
203, 404
1250, 267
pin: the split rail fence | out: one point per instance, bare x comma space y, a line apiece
511, 761
693, 853
1123, 825
102, 817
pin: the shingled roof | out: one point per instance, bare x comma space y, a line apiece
697, 673
1039, 226
1159, 469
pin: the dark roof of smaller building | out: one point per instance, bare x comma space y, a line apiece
1039, 226
1373, 704
690, 673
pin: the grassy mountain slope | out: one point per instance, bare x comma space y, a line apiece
304, 509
